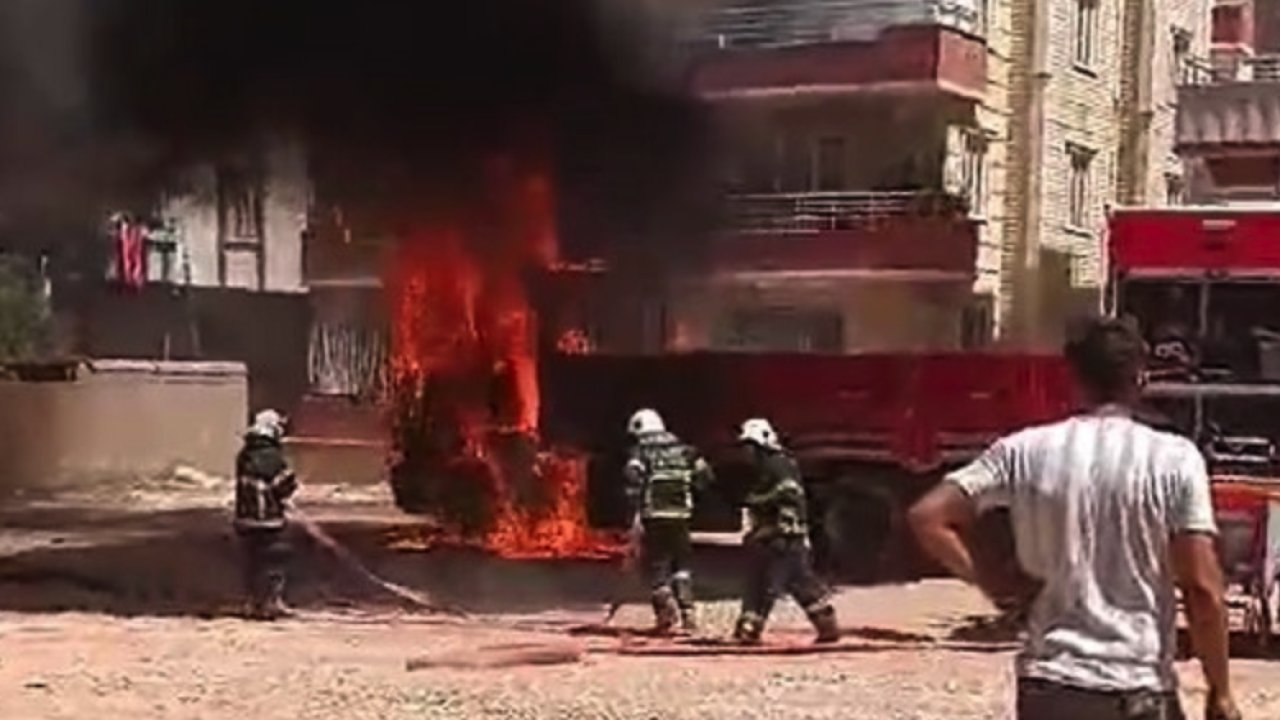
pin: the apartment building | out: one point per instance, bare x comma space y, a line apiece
1039, 114
1229, 113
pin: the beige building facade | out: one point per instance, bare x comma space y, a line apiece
1088, 92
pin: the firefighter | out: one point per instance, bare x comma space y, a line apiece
777, 541
264, 483
662, 475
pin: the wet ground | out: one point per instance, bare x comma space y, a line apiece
121, 604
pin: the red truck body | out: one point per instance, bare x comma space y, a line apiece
915, 411
871, 432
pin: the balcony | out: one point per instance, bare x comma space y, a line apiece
848, 234
1230, 106
773, 24
799, 213
758, 48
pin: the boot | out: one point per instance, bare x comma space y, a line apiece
682, 587
748, 630
824, 621
665, 612
272, 605
688, 620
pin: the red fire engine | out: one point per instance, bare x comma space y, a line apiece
1204, 285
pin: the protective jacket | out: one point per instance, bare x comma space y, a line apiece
662, 475
263, 483
776, 505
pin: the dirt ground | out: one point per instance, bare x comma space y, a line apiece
119, 605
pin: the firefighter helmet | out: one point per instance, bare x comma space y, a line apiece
645, 421
268, 423
758, 431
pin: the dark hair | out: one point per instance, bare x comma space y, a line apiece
1108, 356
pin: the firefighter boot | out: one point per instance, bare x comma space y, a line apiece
824, 621
749, 629
272, 605
682, 585
665, 611
688, 620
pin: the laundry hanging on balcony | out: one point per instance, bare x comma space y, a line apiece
129, 251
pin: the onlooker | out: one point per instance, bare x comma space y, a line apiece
1108, 516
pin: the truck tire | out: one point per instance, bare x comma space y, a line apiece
857, 526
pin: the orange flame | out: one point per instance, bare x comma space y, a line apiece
463, 341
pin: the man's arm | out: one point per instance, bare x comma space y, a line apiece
703, 475
940, 520
1199, 575
1195, 563
787, 490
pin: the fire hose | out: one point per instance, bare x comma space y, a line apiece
349, 559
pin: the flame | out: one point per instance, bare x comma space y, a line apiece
465, 377
574, 341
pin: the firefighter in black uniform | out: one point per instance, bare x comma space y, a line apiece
777, 541
264, 483
663, 474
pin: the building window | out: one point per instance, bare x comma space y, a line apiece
1175, 189
977, 323
1078, 186
973, 170
830, 164
242, 204
240, 258
1181, 57
1086, 32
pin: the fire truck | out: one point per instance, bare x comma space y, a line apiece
1204, 286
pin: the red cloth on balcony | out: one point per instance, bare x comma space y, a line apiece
130, 251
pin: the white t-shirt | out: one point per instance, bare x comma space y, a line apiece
1094, 501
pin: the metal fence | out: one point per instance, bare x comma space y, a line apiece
1199, 71
813, 212
780, 23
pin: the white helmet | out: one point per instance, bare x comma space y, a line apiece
759, 432
268, 423
645, 421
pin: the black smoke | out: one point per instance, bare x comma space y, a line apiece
398, 102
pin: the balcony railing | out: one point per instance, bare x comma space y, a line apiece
1260, 68
823, 211
783, 23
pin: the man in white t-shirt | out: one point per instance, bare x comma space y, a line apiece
1109, 516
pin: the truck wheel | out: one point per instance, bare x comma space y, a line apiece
858, 526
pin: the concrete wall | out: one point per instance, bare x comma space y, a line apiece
121, 420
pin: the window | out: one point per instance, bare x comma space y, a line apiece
242, 204
977, 323
784, 329
1175, 189
1081, 160
1181, 57
830, 163
1086, 32
973, 171
240, 259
